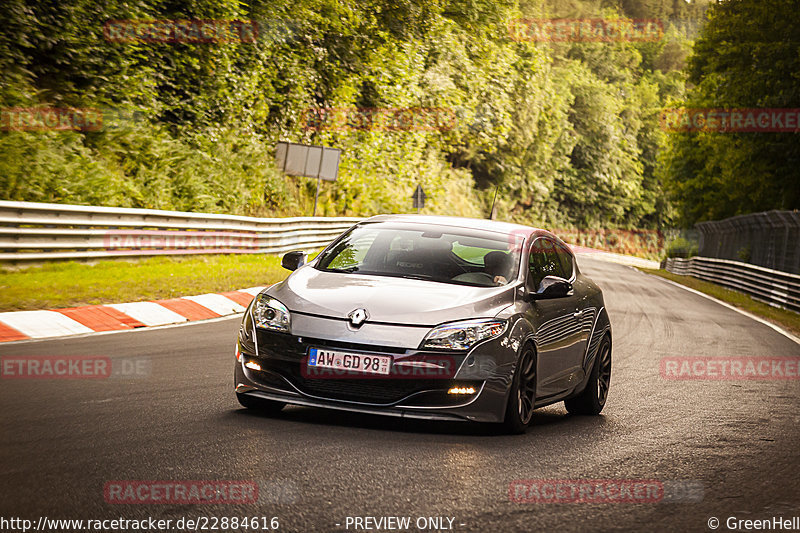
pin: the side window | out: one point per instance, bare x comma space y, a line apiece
351, 253
565, 258
543, 262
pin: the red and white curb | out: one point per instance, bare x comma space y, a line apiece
24, 325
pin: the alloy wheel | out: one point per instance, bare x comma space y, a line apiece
526, 392
604, 374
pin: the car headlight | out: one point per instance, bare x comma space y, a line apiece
463, 335
269, 313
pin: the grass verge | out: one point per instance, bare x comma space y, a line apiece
789, 320
72, 284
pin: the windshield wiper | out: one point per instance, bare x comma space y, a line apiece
346, 270
413, 276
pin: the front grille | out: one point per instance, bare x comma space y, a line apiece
285, 355
375, 390
283, 346
366, 390
354, 346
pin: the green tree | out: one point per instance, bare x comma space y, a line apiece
748, 56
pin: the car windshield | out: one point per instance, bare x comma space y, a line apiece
434, 253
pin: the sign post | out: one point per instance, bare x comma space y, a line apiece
419, 198
491, 211
311, 161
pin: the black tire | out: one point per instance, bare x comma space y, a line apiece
521, 398
593, 398
259, 404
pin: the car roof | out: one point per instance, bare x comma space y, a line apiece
463, 222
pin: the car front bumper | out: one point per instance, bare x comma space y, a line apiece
417, 388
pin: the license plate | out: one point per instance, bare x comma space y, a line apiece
356, 362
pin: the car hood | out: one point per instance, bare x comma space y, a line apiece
388, 299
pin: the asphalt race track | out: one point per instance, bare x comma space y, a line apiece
737, 440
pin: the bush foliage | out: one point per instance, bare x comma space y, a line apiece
569, 132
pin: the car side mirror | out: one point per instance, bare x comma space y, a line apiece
294, 260
552, 287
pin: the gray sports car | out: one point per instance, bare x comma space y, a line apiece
429, 317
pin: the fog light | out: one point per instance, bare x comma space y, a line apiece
252, 365
462, 390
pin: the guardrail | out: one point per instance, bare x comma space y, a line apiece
41, 232
780, 289
767, 239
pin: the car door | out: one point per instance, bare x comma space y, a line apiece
557, 333
583, 312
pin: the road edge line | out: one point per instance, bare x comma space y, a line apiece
777, 328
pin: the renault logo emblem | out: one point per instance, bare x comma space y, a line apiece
358, 317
